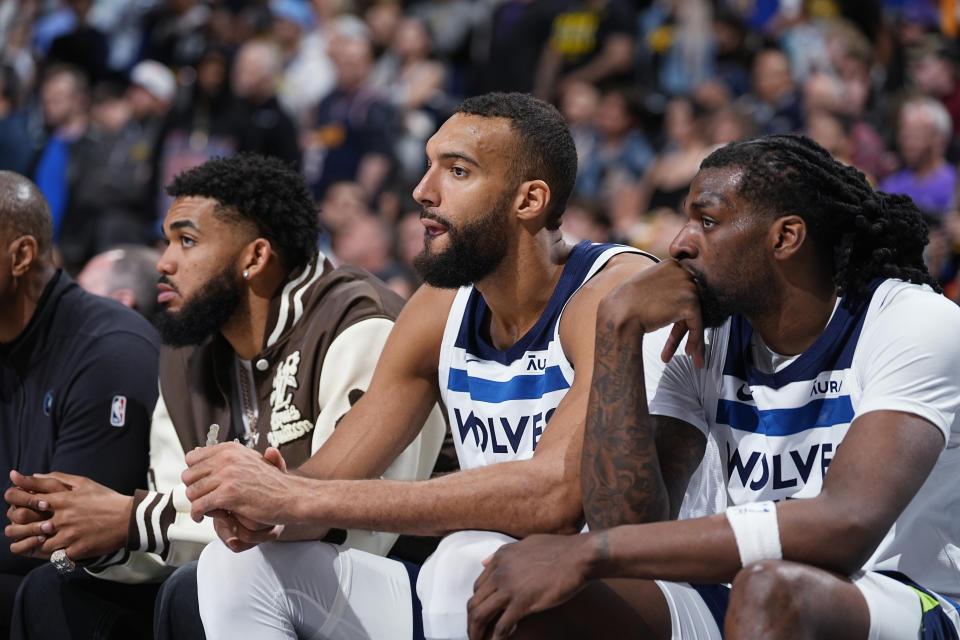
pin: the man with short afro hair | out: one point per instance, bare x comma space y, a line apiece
262, 190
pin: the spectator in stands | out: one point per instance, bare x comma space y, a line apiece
729, 124
773, 101
128, 274
308, 71
414, 83
83, 45
516, 32
451, 24
262, 337
732, 64
16, 145
256, 72
114, 193
867, 151
677, 49
934, 72
923, 132
70, 143
592, 41
354, 126
175, 32
77, 381
832, 132
366, 244
666, 182
382, 19
585, 220
207, 123
620, 152
16, 50
578, 105
64, 96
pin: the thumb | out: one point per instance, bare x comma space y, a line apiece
274, 457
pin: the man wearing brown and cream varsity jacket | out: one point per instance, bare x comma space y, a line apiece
264, 338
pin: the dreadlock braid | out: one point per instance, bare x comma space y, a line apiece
863, 233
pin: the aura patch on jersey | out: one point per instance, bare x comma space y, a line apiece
118, 411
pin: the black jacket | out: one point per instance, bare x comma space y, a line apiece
77, 388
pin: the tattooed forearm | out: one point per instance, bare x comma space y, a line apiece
620, 470
634, 469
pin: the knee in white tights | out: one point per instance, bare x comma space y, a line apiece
446, 580
302, 589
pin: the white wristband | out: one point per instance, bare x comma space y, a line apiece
756, 531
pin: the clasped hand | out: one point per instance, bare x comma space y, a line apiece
239, 489
61, 511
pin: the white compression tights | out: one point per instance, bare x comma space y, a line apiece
319, 590
302, 590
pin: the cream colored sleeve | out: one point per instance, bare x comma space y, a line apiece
348, 367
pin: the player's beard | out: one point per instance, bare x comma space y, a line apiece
715, 307
474, 249
753, 295
203, 314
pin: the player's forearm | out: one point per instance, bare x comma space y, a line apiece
700, 550
620, 472
505, 497
813, 531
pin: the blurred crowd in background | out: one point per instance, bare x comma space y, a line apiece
102, 102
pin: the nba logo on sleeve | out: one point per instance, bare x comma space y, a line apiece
118, 411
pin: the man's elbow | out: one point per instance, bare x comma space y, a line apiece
559, 512
849, 543
560, 521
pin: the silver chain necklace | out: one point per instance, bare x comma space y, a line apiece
246, 398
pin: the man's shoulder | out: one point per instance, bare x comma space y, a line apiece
614, 265
609, 265
905, 307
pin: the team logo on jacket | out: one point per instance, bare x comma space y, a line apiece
286, 422
118, 411
48, 402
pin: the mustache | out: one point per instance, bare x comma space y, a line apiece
435, 217
165, 280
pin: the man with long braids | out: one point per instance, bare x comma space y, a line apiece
815, 338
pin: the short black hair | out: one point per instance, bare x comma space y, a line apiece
545, 149
863, 233
261, 190
24, 211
